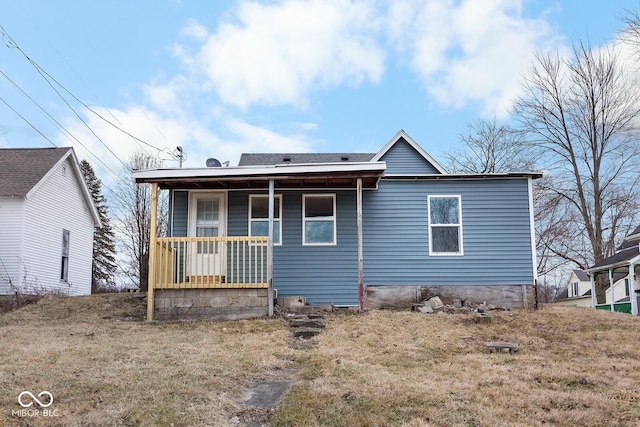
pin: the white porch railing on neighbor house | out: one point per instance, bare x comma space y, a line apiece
210, 262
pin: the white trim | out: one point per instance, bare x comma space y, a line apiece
335, 219
279, 219
402, 134
459, 224
534, 254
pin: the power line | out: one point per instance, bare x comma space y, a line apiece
27, 121
11, 43
57, 123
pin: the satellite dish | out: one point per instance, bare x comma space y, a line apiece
213, 163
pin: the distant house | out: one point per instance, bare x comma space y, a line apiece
620, 270
47, 220
578, 291
381, 229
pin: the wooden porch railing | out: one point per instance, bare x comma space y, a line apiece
210, 262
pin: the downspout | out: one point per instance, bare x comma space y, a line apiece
270, 248
152, 252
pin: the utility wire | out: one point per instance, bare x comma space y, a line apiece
27, 121
48, 78
58, 124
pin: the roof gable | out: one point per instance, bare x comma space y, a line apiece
404, 156
582, 275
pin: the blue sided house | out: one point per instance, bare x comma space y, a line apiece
369, 230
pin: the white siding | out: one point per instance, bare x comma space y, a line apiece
58, 204
11, 220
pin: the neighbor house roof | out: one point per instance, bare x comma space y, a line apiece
628, 251
265, 159
582, 276
22, 168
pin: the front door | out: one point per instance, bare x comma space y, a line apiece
207, 219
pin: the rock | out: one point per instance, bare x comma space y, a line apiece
482, 308
491, 307
306, 333
482, 318
425, 309
436, 303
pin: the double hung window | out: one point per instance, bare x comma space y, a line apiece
445, 225
319, 219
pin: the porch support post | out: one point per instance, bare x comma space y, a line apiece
270, 248
594, 298
632, 286
361, 288
613, 300
152, 252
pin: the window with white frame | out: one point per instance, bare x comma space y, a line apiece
319, 219
575, 290
259, 217
64, 265
445, 225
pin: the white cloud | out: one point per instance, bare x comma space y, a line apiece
280, 53
470, 51
195, 30
166, 131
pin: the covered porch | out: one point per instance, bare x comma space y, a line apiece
204, 270
615, 268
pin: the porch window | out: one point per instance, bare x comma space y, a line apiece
64, 266
445, 225
318, 219
259, 217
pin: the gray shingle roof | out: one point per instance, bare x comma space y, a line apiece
22, 168
623, 255
265, 159
582, 276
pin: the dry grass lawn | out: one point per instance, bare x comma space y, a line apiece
106, 367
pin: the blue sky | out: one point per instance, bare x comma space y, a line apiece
224, 77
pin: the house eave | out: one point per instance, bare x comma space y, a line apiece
451, 177
622, 263
295, 175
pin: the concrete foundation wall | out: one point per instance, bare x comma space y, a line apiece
401, 297
210, 304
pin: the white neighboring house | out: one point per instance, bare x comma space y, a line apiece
47, 221
578, 291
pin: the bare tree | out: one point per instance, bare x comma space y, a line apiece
133, 218
580, 113
489, 147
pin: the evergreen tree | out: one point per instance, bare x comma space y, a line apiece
104, 247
